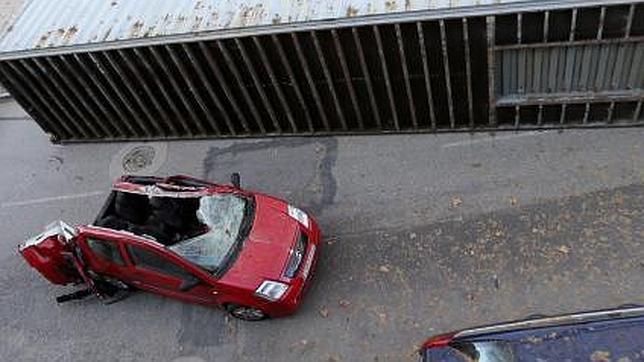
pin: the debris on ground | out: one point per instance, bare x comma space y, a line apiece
563, 249
382, 317
600, 356
331, 240
324, 312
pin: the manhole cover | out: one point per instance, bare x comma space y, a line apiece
138, 159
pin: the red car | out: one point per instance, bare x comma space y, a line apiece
184, 238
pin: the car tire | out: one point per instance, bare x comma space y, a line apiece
246, 313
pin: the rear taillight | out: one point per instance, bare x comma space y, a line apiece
441, 340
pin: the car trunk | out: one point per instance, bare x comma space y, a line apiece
50, 254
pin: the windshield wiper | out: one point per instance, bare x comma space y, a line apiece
247, 221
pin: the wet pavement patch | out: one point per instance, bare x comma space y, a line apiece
314, 180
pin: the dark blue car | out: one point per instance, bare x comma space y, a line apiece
605, 335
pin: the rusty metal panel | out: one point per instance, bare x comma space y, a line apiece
9, 10
47, 25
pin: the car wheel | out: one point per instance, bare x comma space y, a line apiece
246, 313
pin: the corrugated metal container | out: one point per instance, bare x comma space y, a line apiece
9, 9
52, 24
114, 69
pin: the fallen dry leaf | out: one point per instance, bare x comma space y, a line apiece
383, 318
600, 356
456, 201
324, 312
302, 345
563, 249
619, 200
331, 240
413, 352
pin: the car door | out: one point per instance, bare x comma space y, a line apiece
155, 271
103, 254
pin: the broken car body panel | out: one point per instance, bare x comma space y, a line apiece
187, 239
49, 252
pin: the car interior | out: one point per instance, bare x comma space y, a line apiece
167, 219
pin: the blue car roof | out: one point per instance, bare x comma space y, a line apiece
591, 336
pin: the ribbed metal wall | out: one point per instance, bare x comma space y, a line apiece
582, 68
458, 73
47, 24
575, 66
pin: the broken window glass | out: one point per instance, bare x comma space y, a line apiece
223, 215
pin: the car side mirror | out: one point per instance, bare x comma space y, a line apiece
235, 179
189, 283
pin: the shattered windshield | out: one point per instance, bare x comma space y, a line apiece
227, 218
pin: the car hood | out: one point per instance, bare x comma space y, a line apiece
266, 250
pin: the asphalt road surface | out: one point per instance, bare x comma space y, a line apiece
423, 233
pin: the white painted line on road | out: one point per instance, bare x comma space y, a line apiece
494, 138
50, 199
